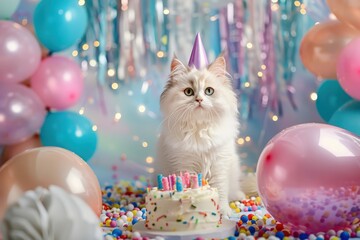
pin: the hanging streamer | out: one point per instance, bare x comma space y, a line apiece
288, 38
270, 63
133, 36
92, 47
318, 10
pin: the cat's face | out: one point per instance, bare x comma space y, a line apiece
201, 95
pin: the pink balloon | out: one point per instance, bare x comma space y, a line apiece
58, 81
308, 177
21, 113
20, 52
348, 69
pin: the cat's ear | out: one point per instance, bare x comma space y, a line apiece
218, 67
177, 66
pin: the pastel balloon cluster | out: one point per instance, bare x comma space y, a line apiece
58, 25
34, 86
331, 51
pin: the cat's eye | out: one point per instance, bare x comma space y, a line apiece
189, 92
209, 91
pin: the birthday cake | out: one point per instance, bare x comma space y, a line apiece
181, 203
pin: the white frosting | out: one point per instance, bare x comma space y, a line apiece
53, 214
187, 210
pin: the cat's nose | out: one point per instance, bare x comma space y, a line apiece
199, 100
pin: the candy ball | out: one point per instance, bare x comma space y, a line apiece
344, 236
307, 171
109, 237
116, 232
139, 214
130, 214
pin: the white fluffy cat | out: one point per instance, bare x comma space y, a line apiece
200, 128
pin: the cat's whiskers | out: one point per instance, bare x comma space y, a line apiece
185, 110
184, 117
167, 119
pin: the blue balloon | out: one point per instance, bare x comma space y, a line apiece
59, 24
330, 97
71, 131
348, 117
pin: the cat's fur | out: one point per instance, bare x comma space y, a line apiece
201, 139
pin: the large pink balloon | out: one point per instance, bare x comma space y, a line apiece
308, 177
20, 53
21, 113
348, 69
58, 81
45, 166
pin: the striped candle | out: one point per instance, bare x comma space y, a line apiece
182, 179
186, 179
173, 181
179, 185
194, 181
170, 182
159, 180
200, 179
165, 183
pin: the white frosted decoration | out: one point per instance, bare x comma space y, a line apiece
50, 214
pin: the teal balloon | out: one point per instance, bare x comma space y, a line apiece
71, 131
348, 117
330, 97
59, 24
7, 8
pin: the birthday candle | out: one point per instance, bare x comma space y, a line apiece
170, 182
187, 179
173, 181
165, 184
200, 179
159, 179
204, 182
194, 181
179, 186
182, 179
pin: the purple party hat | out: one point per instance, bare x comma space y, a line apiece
198, 56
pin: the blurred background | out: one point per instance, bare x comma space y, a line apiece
124, 53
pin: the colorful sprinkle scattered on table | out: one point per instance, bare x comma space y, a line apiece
123, 207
